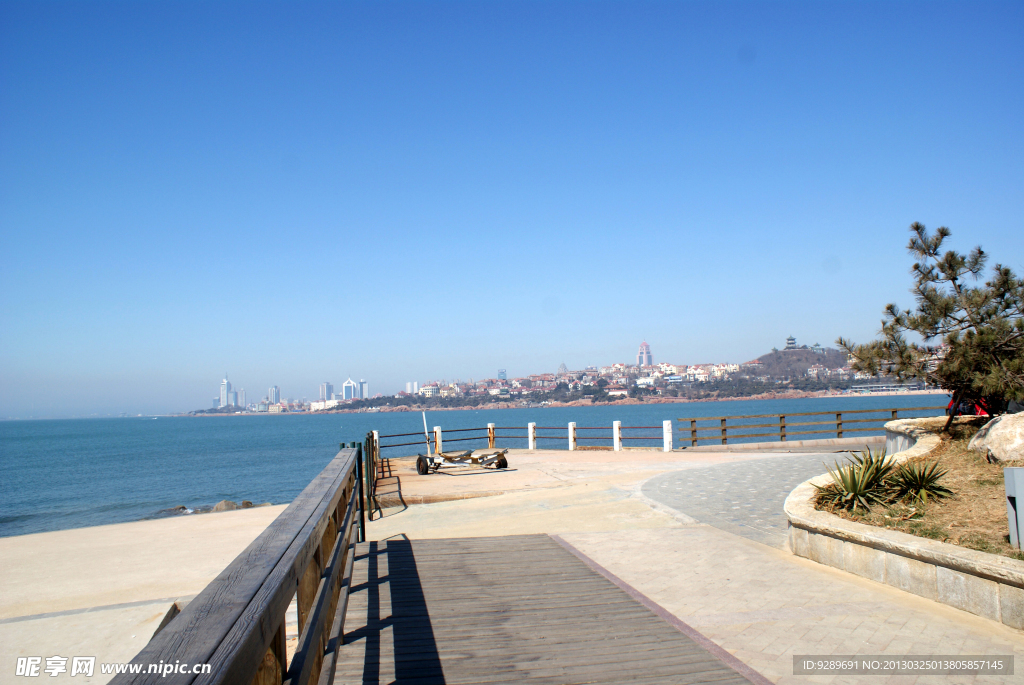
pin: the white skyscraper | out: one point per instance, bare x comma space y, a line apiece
274, 395
225, 391
349, 389
241, 398
364, 390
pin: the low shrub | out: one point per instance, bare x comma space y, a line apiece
872, 478
916, 482
860, 484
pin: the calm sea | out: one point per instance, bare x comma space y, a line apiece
85, 472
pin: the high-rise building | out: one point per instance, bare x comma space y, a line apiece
643, 358
232, 399
241, 398
349, 389
408, 387
364, 390
274, 395
501, 375
326, 391
562, 369
225, 391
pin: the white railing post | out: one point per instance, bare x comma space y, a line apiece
617, 436
438, 447
531, 435
490, 436
667, 433
572, 435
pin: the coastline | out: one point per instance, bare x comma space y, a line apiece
788, 395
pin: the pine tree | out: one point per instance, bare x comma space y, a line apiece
981, 328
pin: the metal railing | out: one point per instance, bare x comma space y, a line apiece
782, 429
573, 436
236, 625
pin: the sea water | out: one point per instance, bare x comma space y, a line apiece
83, 472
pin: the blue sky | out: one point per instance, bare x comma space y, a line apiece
300, 192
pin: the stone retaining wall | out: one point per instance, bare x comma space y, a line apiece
988, 585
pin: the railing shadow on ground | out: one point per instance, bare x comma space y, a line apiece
416, 657
388, 489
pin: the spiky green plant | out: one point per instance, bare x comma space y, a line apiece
916, 482
860, 484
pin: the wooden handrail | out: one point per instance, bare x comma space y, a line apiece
237, 623
837, 425
811, 413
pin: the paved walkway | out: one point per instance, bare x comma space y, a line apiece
745, 497
764, 605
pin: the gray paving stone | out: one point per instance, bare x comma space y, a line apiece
744, 498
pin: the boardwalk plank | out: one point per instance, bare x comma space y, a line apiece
505, 610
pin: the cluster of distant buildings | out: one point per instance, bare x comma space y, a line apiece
350, 390
273, 403
235, 399
618, 379
615, 380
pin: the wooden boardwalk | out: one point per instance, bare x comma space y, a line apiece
505, 610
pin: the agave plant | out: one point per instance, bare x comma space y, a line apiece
916, 482
861, 484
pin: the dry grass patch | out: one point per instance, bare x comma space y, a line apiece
975, 517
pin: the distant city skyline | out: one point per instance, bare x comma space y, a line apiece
499, 185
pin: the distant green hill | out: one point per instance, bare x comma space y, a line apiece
794, 363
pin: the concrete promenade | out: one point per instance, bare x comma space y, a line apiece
663, 523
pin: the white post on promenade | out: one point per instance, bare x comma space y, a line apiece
572, 435
617, 436
438, 447
531, 435
667, 432
490, 436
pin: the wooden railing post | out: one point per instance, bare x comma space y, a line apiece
894, 414
361, 493
666, 435
438, 442
782, 427
693, 432
572, 436
490, 436
617, 436
275, 662
723, 432
531, 436
839, 425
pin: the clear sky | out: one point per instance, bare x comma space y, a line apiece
299, 192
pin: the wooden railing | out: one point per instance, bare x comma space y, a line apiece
782, 429
237, 623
